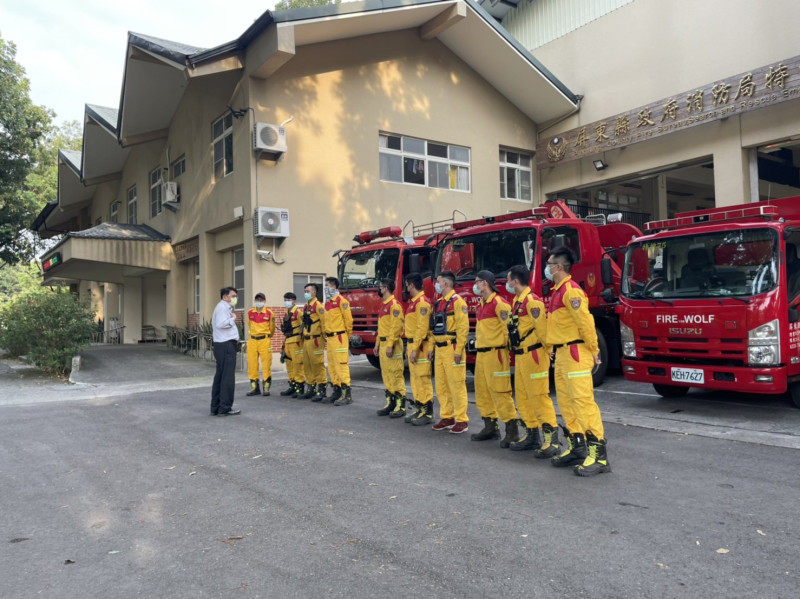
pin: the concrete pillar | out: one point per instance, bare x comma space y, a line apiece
180, 293
132, 309
212, 269
731, 166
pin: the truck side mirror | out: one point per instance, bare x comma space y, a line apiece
606, 273
607, 295
794, 314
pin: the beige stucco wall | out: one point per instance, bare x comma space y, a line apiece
649, 50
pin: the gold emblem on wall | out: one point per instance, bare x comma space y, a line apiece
556, 149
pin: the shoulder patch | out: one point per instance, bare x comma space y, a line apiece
345, 306
423, 311
503, 315
395, 312
575, 303
464, 309
535, 312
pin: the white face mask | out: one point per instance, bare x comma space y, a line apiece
509, 288
288, 304
438, 287
259, 305
547, 273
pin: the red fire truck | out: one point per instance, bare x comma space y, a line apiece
710, 300
383, 253
497, 243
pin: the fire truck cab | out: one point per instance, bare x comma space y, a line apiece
711, 299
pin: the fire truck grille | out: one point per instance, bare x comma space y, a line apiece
693, 350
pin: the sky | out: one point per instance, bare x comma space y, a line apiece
73, 51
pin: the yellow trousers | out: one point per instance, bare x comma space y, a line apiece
493, 385
420, 375
392, 369
294, 360
532, 384
259, 348
451, 384
314, 360
575, 392
339, 359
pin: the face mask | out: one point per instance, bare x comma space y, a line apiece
547, 273
234, 301
475, 289
509, 288
288, 304
438, 288
332, 292
259, 305
308, 296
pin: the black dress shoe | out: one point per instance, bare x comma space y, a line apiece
212, 413
230, 413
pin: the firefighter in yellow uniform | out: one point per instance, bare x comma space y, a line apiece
293, 345
313, 345
419, 348
389, 347
261, 325
571, 333
338, 326
527, 333
492, 364
450, 330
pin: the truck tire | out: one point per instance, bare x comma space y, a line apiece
599, 370
374, 360
670, 390
794, 393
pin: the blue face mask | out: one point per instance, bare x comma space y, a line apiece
438, 287
308, 296
547, 273
509, 288
475, 289
288, 304
259, 305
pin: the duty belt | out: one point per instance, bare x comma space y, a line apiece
575, 342
336, 333
382, 338
443, 343
481, 350
258, 337
312, 336
520, 351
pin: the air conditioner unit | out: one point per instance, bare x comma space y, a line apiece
269, 138
271, 222
170, 197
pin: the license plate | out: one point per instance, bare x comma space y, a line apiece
692, 376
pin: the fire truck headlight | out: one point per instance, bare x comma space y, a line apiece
763, 344
628, 343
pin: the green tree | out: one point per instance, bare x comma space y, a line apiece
19, 279
23, 126
287, 4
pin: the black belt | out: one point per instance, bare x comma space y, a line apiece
336, 333
443, 343
520, 351
382, 338
258, 337
312, 336
575, 342
482, 350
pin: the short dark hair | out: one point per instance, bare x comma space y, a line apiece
566, 255
260, 295
289, 295
519, 273
226, 290
314, 286
333, 280
449, 274
388, 283
415, 279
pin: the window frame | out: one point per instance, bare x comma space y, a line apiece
113, 212
305, 278
196, 267
240, 291
519, 168
132, 205
222, 140
156, 179
429, 153
178, 167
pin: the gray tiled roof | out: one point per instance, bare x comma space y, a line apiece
173, 50
73, 157
105, 114
120, 231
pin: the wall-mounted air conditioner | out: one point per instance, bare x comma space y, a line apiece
269, 138
271, 222
170, 196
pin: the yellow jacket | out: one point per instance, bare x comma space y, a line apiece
317, 312
338, 316
261, 322
390, 323
491, 326
568, 317
418, 322
295, 314
457, 320
532, 315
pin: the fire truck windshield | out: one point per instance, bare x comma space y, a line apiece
496, 251
738, 262
364, 269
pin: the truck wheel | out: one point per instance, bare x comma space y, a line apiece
794, 393
670, 390
599, 370
374, 360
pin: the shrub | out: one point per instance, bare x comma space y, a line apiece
48, 326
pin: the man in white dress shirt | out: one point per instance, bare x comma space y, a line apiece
226, 338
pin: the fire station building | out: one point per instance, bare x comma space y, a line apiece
250, 163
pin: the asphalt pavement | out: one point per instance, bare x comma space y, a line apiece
120, 485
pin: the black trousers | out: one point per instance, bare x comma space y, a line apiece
224, 377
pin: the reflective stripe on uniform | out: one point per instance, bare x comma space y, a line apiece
503, 373
539, 375
573, 375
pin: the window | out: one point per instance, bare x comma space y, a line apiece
222, 132
300, 280
132, 205
238, 272
178, 167
515, 176
114, 212
155, 193
197, 287
426, 163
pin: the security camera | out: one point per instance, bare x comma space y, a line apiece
264, 254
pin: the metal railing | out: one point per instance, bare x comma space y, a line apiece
197, 344
637, 219
111, 336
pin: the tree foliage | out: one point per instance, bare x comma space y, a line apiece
288, 4
23, 127
19, 279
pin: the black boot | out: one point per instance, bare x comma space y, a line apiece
425, 415
319, 392
512, 433
290, 391
399, 406
337, 393
346, 397
597, 460
529, 441
549, 446
386, 410
267, 385
309, 392
490, 430
575, 452
412, 413
254, 388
